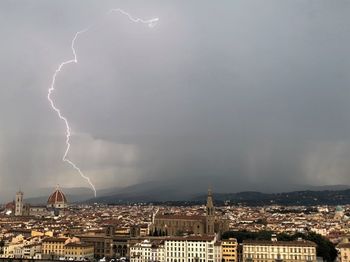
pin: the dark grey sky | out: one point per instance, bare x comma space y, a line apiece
236, 94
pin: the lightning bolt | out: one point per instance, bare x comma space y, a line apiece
151, 23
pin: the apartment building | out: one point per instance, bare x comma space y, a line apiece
192, 249
31, 251
344, 252
271, 251
79, 251
229, 250
177, 249
147, 250
53, 247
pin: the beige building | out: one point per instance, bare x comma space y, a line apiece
229, 250
35, 233
344, 250
31, 251
271, 251
79, 251
63, 247
177, 249
147, 250
13, 248
53, 247
192, 249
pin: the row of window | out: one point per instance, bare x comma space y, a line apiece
196, 249
228, 250
53, 251
53, 246
74, 253
173, 252
279, 256
183, 260
182, 243
178, 254
278, 249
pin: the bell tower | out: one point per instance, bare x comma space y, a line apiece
210, 214
19, 204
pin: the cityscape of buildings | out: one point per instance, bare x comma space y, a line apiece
136, 107
146, 232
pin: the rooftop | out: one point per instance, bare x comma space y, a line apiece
301, 243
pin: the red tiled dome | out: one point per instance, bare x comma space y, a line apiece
10, 206
57, 197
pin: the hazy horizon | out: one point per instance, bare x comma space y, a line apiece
84, 193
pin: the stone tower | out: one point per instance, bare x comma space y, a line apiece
19, 204
210, 214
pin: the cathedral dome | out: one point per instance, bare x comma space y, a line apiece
57, 199
10, 206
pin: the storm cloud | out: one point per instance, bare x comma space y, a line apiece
239, 95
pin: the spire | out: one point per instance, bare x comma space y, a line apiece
210, 205
210, 214
210, 199
19, 191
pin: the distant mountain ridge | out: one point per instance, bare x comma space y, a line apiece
306, 198
145, 192
158, 191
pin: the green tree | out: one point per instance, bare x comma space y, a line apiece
325, 248
2, 244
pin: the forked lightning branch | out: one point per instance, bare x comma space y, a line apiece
74, 59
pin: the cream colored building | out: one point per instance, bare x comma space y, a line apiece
19, 247
79, 251
344, 250
31, 251
147, 250
229, 250
192, 249
177, 249
11, 248
271, 251
53, 247
35, 233
63, 247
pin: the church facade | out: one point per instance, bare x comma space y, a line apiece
208, 224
